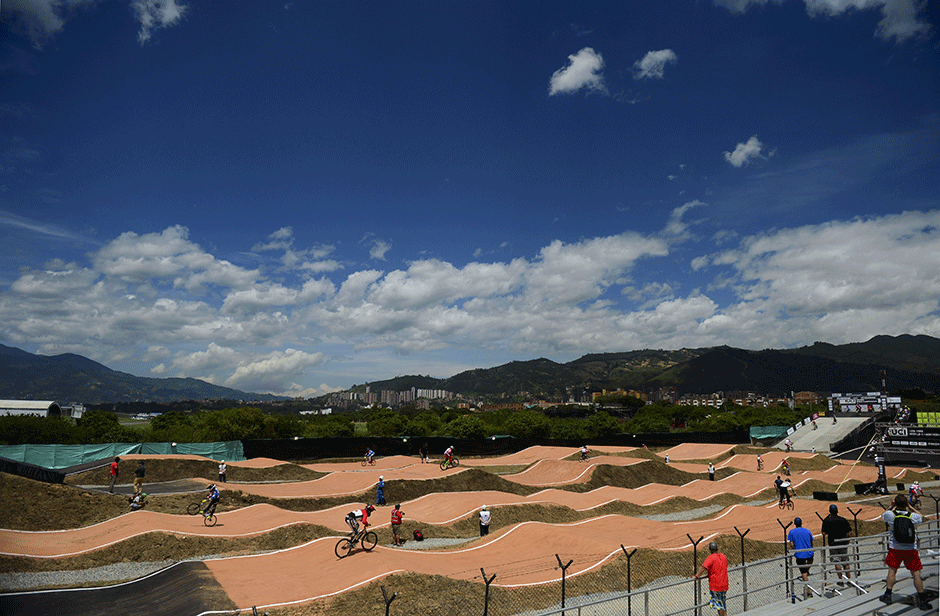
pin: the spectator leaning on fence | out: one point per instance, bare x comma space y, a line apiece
801, 539
836, 529
902, 548
715, 568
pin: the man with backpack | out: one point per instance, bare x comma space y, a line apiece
902, 522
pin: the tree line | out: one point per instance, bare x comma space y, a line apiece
246, 422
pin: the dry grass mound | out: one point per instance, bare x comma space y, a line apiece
159, 546
169, 469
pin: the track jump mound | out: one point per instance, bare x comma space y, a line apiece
186, 588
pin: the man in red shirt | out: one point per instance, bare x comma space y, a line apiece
397, 516
114, 474
715, 568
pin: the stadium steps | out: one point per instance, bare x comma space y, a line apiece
848, 603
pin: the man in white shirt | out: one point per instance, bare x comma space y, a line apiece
484, 521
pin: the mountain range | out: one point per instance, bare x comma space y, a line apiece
74, 378
908, 362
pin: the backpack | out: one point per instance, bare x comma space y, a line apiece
419, 536
903, 527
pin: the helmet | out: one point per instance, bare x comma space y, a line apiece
713, 546
370, 508
484, 507
916, 483
381, 478
211, 487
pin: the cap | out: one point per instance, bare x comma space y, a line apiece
381, 478
798, 521
833, 509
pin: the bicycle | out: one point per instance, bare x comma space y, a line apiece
366, 538
208, 512
367, 462
454, 462
785, 505
195, 508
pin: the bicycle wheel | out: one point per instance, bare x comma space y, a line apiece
193, 508
443, 464
454, 462
343, 546
781, 505
790, 505
364, 462
210, 519
369, 540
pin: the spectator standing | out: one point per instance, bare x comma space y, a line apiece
667, 458
380, 491
801, 540
711, 472
902, 548
715, 568
836, 529
484, 521
139, 473
424, 453
397, 516
114, 474
223, 468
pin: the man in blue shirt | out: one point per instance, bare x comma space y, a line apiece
801, 540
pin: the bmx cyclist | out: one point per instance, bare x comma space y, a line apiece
916, 493
783, 489
213, 499
353, 517
449, 455
369, 455
760, 463
584, 453
786, 466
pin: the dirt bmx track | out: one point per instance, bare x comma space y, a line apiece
515, 553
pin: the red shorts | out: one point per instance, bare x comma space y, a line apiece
908, 558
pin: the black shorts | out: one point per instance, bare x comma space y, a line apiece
804, 561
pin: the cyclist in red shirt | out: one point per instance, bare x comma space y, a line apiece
715, 568
353, 517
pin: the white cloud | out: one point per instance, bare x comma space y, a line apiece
156, 14
744, 153
840, 281
41, 20
901, 19
379, 248
274, 372
653, 64
583, 71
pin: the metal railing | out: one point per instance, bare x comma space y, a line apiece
865, 560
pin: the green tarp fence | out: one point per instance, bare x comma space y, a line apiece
64, 456
759, 433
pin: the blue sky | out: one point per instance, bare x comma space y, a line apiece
294, 197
